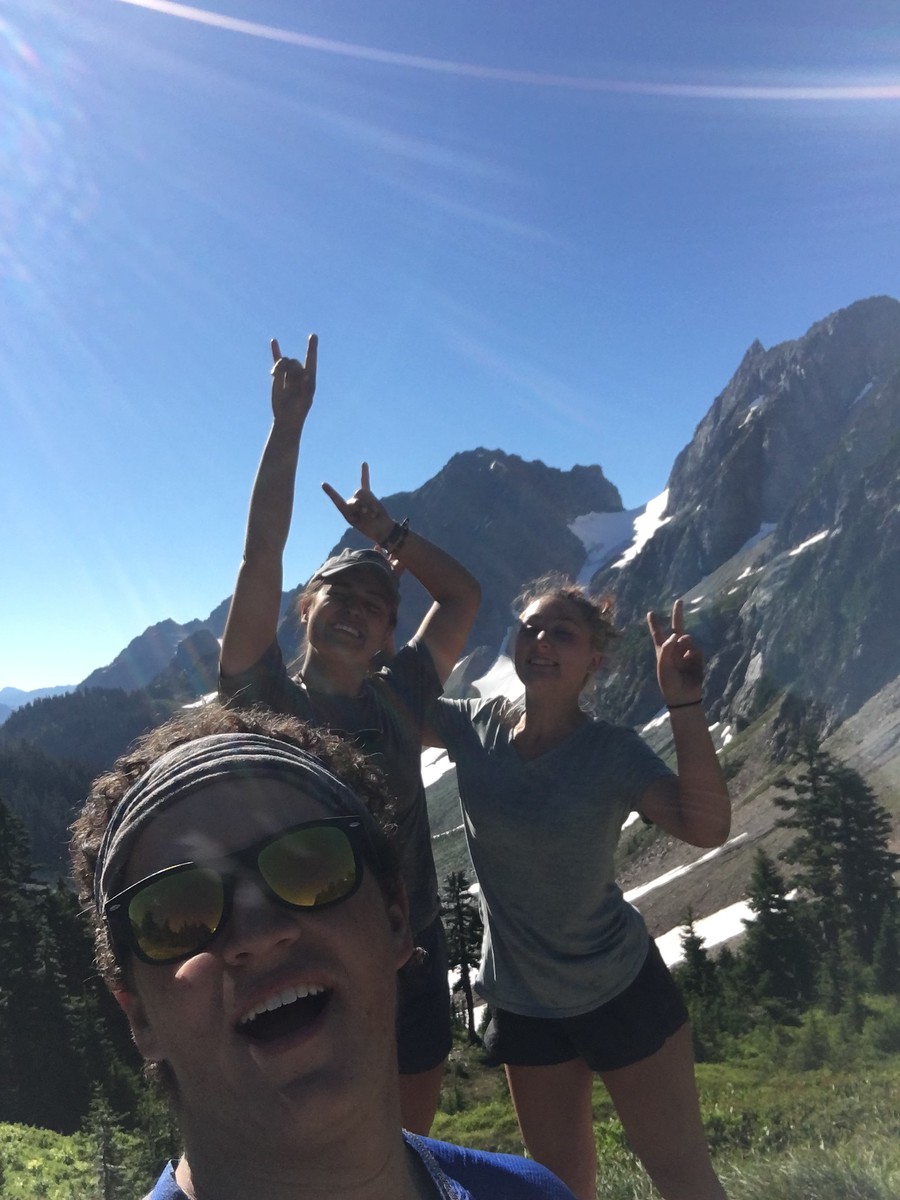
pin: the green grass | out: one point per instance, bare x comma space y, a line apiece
827, 1134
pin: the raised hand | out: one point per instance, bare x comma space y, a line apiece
679, 663
363, 510
293, 382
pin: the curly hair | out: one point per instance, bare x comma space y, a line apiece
597, 612
338, 755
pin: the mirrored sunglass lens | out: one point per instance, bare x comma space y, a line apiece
310, 867
177, 914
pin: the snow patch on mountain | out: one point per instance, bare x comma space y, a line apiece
608, 534
753, 407
500, 680
604, 535
435, 763
717, 928
668, 876
816, 537
645, 526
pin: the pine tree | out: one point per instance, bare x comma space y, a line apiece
19, 933
54, 1044
843, 866
886, 956
697, 974
104, 1129
698, 979
812, 1049
866, 865
776, 956
462, 921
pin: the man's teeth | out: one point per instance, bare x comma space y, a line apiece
288, 996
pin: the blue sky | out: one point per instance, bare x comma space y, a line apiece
548, 228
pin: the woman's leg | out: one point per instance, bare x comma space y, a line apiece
553, 1107
657, 1103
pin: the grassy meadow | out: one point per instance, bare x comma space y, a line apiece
805, 1113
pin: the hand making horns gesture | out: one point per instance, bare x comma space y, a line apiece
679, 663
363, 510
293, 382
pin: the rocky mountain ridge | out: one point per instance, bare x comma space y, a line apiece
781, 530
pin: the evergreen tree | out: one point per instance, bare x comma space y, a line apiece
843, 866
776, 957
54, 1045
832, 978
698, 979
105, 1132
19, 934
462, 922
867, 867
812, 1049
697, 973
886, 957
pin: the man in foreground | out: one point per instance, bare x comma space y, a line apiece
250, 919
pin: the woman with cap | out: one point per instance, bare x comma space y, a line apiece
348, 611
250, 919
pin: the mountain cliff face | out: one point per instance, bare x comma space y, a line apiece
505, 519
786, 412
143, 658
782, 527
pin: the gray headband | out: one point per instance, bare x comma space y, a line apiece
201, 764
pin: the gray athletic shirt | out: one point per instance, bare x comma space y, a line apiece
385, 720
559, 939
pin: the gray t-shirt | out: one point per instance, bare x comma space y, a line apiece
560, 939
385, 721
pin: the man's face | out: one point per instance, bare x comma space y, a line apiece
284, 1024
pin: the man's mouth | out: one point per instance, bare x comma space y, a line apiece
350, 629
284, 1013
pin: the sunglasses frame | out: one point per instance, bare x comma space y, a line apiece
116, 909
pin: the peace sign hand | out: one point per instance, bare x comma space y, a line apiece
363, 510
293, 382
679, 663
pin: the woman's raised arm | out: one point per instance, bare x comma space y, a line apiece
255, 605
696, 806
456, 593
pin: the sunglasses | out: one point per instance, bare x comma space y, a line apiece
175, 913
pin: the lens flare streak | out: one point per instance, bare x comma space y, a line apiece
681, 91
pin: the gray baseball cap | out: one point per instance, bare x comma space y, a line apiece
348, 559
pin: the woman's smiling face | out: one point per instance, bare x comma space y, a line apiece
554, 646
286, 1016
350, 614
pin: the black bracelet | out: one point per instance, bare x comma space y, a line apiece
396, 537
687, 704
